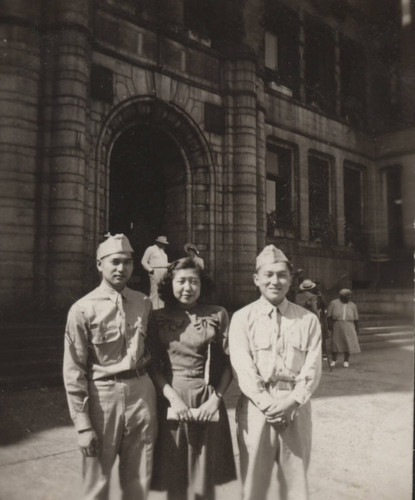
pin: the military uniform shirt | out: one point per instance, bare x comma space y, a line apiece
105, 335
269, 344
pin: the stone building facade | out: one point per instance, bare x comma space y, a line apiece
230, 124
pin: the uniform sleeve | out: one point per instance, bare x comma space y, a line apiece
244, 368
309, 377
145, 259
75, 368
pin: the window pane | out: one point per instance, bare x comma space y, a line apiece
319, 199
279, 188
271, 51
270, 195
352, 179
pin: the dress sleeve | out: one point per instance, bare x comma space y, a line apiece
223, 331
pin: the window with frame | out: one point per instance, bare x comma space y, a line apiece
282, 28
321, 220
353, 80
319, 54
279, 191
353, 205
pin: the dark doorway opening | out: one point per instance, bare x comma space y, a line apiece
147, 193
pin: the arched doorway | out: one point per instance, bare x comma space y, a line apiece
147, 192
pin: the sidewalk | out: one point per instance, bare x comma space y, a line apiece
362, 437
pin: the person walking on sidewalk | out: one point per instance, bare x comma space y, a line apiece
156, 262
111, 398
343, 322
275, 351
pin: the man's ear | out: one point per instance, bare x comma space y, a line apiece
255, 278
99, 265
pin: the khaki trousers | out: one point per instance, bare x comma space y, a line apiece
123, 414
260, 445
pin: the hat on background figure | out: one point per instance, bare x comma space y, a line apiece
114, 244
345, 291
307, 285
162, 239
191, 246
270, 255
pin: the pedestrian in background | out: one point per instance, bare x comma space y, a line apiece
306, 296
111, 398
275, 349
191, 369
192, 252
156, 262
343, 322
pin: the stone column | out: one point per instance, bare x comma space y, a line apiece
244, 177
66, 80
261, 168
19, 95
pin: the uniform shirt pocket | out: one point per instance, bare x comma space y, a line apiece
261, 345
296, 352
106, 344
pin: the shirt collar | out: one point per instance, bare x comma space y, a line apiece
112, 293
267, 308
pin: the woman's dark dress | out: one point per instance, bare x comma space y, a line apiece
195, 454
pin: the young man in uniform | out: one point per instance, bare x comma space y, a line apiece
275, 351
111, 398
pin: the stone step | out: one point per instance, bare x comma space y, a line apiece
388, 336
371, 330
387, 344
368, 320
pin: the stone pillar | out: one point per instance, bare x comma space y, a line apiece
303, 191
301, 49
261, 168
66, 81
19, 95
244, 177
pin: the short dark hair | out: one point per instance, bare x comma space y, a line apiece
165, 287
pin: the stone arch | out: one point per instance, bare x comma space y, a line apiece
197, 157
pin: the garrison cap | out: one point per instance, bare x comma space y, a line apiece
270, 255
114, 244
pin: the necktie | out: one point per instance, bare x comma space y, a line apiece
121, 313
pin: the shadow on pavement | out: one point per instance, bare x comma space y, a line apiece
24, 412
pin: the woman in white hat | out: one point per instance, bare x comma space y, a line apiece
343, 321
192, 252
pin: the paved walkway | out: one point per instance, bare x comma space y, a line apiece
362, 441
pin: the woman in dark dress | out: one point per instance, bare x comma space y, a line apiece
191, 370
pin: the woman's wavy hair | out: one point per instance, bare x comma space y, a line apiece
165, 286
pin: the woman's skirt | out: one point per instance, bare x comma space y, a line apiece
344, 337
192, 454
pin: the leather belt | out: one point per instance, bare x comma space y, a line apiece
188, 373
127, 374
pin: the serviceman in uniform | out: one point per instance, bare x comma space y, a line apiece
111, 398
156, 262
275, 351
